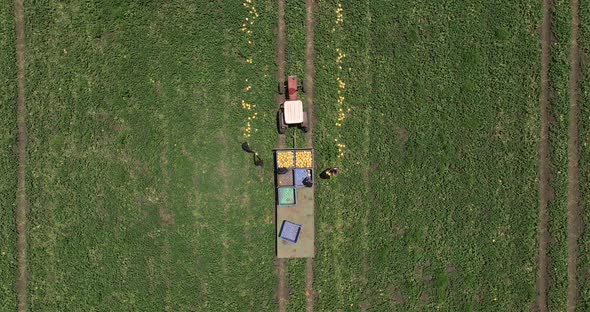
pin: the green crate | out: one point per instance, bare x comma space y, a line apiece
287, 196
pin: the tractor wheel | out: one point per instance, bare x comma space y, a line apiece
281, 126
281, 87
305, 123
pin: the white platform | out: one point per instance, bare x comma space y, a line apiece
293, 112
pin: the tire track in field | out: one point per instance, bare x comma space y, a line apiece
283, 294
573, 189
281, 264
545, 190
21, 208
309, 77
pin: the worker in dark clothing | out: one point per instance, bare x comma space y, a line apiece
258, 162
330, 172
282, 170
246, 148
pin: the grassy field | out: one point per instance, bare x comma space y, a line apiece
437, 205
140, 195
141, 199
7, 157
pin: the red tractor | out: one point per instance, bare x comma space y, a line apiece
291, 111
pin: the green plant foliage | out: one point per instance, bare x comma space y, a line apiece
8, 164
141, 197
295, 48
436, 206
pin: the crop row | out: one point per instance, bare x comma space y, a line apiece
8, 162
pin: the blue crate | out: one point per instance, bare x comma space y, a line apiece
301, 174
290, 231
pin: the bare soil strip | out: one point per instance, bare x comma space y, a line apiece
545, 190
573, 172
21, 208
282, 292
309, 292
309, 77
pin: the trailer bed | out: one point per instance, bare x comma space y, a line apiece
300, 213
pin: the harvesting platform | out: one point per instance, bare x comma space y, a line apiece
295, 203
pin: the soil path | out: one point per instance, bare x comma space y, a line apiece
309, 77
545, 190
573, 172
21, 208
282, 292
309, 292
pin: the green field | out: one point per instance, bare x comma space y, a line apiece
437, 206
141, 198
140, 195
8, 164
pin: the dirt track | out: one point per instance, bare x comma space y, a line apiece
573, 192
545, 190
282, 291
309, 77
21, 208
